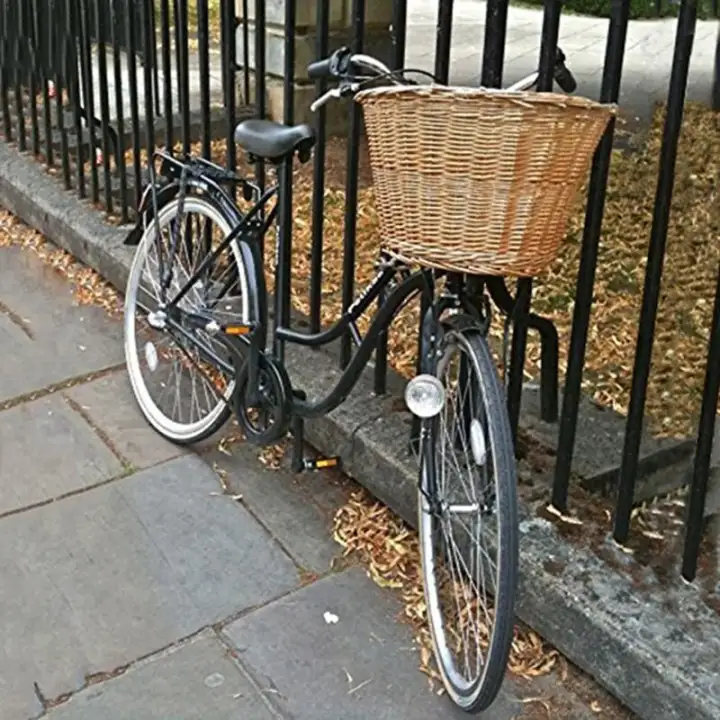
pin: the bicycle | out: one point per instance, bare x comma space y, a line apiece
216, 311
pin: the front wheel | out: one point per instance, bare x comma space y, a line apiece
468, 523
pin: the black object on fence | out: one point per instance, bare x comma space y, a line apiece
105, 81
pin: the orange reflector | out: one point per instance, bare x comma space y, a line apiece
326, 463
237, 330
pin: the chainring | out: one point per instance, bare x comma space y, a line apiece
268, 419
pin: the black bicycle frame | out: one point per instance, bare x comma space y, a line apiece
248, 231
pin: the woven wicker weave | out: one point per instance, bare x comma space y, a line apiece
478, 181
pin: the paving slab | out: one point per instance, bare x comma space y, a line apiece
17, 356
284, 502
48, 450
304, 661
196, 681
69, 340
103, 578
110, 405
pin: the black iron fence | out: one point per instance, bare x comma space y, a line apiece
91, 91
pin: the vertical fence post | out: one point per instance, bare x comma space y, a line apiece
61, 79
260, 107
716, 74
183, 60
609, 93
653, 273
33, 69
283, 257
167, 74
523, 296
399, 23
494, 45
44, 31
351, 188
706, 432
441, 71
116, 25
100, 26
228, 55
5, 70
16, 33
204, 63
73, 82
134, 100
322, 30
148, 38
89, 94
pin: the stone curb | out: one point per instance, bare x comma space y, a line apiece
661, 664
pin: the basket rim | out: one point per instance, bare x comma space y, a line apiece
523, 97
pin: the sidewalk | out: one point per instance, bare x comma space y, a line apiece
136, 583
646, 66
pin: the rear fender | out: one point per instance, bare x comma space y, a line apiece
146, 210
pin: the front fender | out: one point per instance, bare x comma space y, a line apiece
146, 210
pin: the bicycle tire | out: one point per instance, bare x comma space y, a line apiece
478, 695
177, 432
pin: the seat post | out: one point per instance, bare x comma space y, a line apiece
284, 253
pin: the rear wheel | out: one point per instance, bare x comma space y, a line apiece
468, 523
181, 388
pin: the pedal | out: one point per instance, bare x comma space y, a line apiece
235, 330
321, 463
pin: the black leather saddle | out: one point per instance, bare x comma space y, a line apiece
274, 141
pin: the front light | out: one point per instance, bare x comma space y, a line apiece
425, 396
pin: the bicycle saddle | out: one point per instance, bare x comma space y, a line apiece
273, 141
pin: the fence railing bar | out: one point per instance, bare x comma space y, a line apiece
44, 31
703, 453
148, 39
285, 177
16, 35
523, 294
60, 79
228, 54
30, 40
154, 56
167, 74
183, 54
246, 49
4, 73
399, 32
443, 42
89, 95
73, 86
229, 73
204, 65
260, 104
494, 44
132, 46
120, 167
322, 19
100, 20
609, 93
654, 268
351, 188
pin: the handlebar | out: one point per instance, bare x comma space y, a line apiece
352, 70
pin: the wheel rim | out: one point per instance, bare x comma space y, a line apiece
192, 379
461, 577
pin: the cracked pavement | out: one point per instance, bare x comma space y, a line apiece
133, 587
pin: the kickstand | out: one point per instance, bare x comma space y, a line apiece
298, 432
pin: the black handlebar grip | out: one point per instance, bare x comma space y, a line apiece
564, 78
320, 70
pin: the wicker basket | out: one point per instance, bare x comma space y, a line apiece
478, 181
